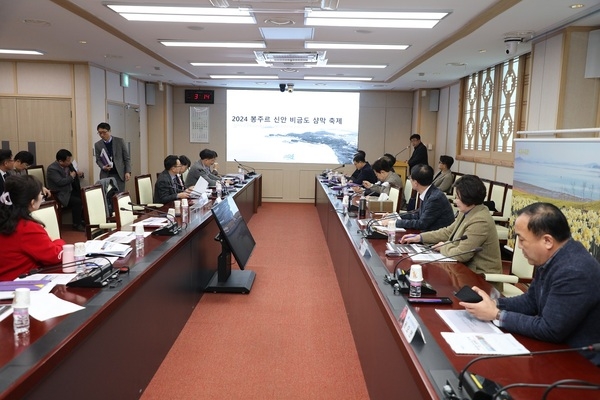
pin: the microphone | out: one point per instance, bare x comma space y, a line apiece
475, 250
338, 167
370, 234
68, 264
477, 388
170, 230
402, 151
245, 168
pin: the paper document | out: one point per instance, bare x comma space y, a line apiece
105, 159
460, 321
124, 237
106, 248
152, 222
484, 343
200, 187
385, 230
431, 256
46, 305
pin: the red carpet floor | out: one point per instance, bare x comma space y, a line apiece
288, 339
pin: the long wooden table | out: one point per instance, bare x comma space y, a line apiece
113, 347
395, 368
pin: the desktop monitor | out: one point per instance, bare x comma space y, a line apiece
236, 240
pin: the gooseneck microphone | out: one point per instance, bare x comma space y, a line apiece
171, 229
402, 151
493, 390
373, 221
251, 171
338, 167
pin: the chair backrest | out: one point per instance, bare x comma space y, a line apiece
48, 214
38, 172
498, 195
507, 208
488, 185
144, 189
123, 217
520, 266
94, 207
395, 197
408, 190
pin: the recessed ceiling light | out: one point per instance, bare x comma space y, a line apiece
82, 42
373, 19
21, 52
38, 22
247, 77
237, 45
456, 64
354, 46
338, 78
482, 50
195, 28
184, 14
202, 64
363, 31
574, 6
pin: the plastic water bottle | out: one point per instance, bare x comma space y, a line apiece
139, 240
185, 210
345, 202
21, 311
79, 257
391, 225
219, 189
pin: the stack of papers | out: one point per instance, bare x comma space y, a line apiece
107, 248
431, 256
472, 336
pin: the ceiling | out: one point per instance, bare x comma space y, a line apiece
468, 39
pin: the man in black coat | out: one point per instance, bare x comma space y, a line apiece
419, 155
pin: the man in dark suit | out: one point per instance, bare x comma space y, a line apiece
63, 180
167, 187
6, 164
435, 211
115, 162
419, 155
365, 171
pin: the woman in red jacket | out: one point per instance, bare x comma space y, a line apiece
25, 242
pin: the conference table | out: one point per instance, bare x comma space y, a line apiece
392, 366
113, 347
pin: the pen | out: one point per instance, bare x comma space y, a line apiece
103, 245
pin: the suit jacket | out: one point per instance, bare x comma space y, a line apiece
60, 182
366, 174
444, 181
198, 170
480, 229
394, 182
121, 160
435, 213
419, 156
2, 183
164, 192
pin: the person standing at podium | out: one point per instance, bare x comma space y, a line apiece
562, 304
419, 155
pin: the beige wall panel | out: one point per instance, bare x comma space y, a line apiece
397, 131
465, 167
114, 91
307, 183
156, 135
46, 79
83, 134
371, 128
581, 95
131, 92
8, 119
485, 171
8, 80
504, 174
44, 120
545, 84
272, 182
97, 114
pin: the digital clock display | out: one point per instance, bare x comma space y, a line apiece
200, 96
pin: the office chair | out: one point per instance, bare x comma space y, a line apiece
94, 211
48, 214
123, 217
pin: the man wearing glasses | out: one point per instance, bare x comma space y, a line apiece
6, 164
22, 161
112, 156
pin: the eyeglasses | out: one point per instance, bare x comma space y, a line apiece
102, 132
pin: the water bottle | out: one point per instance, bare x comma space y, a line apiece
345, 202
219, 189
362, 208
391, 226
21, 311
79, 257
139, 240
185, 210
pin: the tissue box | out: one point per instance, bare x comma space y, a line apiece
380, 206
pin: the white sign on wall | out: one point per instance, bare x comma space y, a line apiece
198, 124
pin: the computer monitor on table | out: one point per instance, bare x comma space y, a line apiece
236, 239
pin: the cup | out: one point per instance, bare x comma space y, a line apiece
171, 212
177, 205
415, 278
68, 256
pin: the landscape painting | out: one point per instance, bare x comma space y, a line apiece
564, 172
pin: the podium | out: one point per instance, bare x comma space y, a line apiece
401, 168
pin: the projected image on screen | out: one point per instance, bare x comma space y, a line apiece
298, 127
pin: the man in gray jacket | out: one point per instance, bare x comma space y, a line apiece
114, 161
